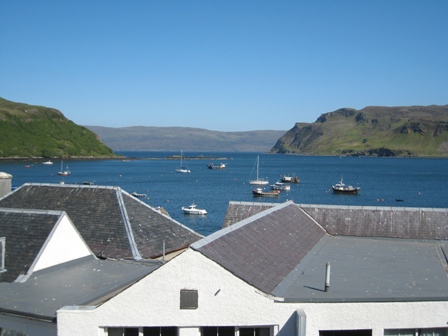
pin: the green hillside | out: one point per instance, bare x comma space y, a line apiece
42, 132
372, 131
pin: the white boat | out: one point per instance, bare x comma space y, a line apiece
280, 186
290, 179
182, 169
341, 188
63, 172
192, 210
258, 181
49, 162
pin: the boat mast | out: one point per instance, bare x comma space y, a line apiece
258, 161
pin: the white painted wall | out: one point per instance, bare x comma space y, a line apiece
5, 184
225, 300
63, 244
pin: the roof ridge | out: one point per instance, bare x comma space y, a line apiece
313, 220
127, 225
34, 211
371, 207
255, 203
68, 185
218, 234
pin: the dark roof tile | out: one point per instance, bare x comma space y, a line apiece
237, 211
251, 249
25, 233
387, 222
113, 223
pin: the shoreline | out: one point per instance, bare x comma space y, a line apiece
199, 157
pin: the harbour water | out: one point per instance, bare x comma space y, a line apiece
386, 182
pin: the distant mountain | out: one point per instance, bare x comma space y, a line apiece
40, 132
372, 131
185, 138
28, 131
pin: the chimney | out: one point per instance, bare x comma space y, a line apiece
5, 184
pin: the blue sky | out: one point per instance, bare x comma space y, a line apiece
221, 65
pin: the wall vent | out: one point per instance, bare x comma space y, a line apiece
188, 299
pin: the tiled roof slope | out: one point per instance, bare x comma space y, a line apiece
112, 223
237, 211
163, 230
251, 249
388, 222
25, 234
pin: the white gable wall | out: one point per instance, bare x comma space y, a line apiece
225, 300
63, 244
155, 300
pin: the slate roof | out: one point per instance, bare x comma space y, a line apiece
362, 221
263, 249
283, 251
113, 223
237, 211
25, 232
392, 222
86, 281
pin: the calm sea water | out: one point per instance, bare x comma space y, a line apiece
417, 182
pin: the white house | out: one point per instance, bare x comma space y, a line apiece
279, 272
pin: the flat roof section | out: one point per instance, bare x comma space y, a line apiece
369, 269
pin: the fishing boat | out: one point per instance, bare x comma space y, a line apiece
63, 172
341, 188
220, 166
138, 195
259, 192
290, 179
280, 186
258, 181
192, 210
182, 168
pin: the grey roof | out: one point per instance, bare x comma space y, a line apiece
284, 251
113, 223
237, 211
263, 249
369, 269
86, 281
25, 233
393, 222
362, 221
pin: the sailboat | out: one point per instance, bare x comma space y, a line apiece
258, 181
63, 172
182, 169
